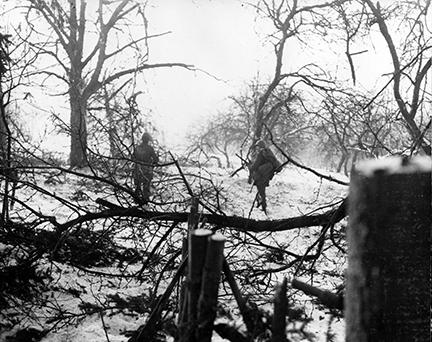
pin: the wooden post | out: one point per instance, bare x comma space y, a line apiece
388, 293
280, 313
197, 256
209, 289
185, 323
193, 216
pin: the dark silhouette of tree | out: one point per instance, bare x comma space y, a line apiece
86, 61
5, 133
92, 221
229, 133
348, 132
289, 20
411, 63
4, 129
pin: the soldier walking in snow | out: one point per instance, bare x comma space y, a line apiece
145, 158
262, 170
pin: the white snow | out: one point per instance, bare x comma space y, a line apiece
292, 192
395, 165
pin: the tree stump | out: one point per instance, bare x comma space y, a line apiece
197, 255
208, 299
389, 237
280, 313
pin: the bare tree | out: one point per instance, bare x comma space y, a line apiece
12, 71
4, 129
101, 214
348, 132
116, 120
351, 26
86, 70
289, 20
222, 136
411, 60
5, 133
229, 132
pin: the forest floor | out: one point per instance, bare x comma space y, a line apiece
293, 192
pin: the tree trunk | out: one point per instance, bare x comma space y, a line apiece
389, 236
3, 128
341, 162
77, 98
5, 150
78, 122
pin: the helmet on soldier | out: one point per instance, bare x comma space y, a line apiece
146, 137
260, 143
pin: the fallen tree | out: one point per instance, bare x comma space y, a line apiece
329, 217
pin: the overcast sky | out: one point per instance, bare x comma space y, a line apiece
219, 37
225, 39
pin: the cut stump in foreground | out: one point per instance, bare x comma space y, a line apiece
389, 236
207, 304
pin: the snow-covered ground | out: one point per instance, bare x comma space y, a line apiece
293, 192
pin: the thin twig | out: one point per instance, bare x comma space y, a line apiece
104, 326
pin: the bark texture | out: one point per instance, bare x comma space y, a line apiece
280, 313
78, 122
389, 236
207, 304
197, 255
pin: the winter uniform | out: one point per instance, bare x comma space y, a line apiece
145, 158
262, 171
